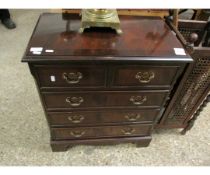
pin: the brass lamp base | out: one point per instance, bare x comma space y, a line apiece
100, 18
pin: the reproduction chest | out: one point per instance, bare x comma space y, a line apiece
102, 88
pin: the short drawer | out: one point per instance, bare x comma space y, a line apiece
78, 118
71, 76
146, 76
101, 131
93, 99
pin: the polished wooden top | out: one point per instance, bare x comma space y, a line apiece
143, 38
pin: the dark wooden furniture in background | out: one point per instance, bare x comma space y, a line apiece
133, 12
99, 87
192, 92
201, 14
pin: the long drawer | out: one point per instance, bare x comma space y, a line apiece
69, 100
79, 118
101, 131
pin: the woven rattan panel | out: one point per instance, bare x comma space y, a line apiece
187, 27
196, 84
187, 31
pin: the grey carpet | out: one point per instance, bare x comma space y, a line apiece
24, 134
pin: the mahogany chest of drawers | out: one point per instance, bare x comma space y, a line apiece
99, 87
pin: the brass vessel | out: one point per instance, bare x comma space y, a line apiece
100, 18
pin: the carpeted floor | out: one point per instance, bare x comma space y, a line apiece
24, 135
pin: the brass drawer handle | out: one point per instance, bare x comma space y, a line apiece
128, 131
72, 78
77, 133
138, 100
145, 77
76, 118
74, 101
132, 117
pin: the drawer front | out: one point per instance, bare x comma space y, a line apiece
77, 118
153, 76
104, 99
71, 76
99, 132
